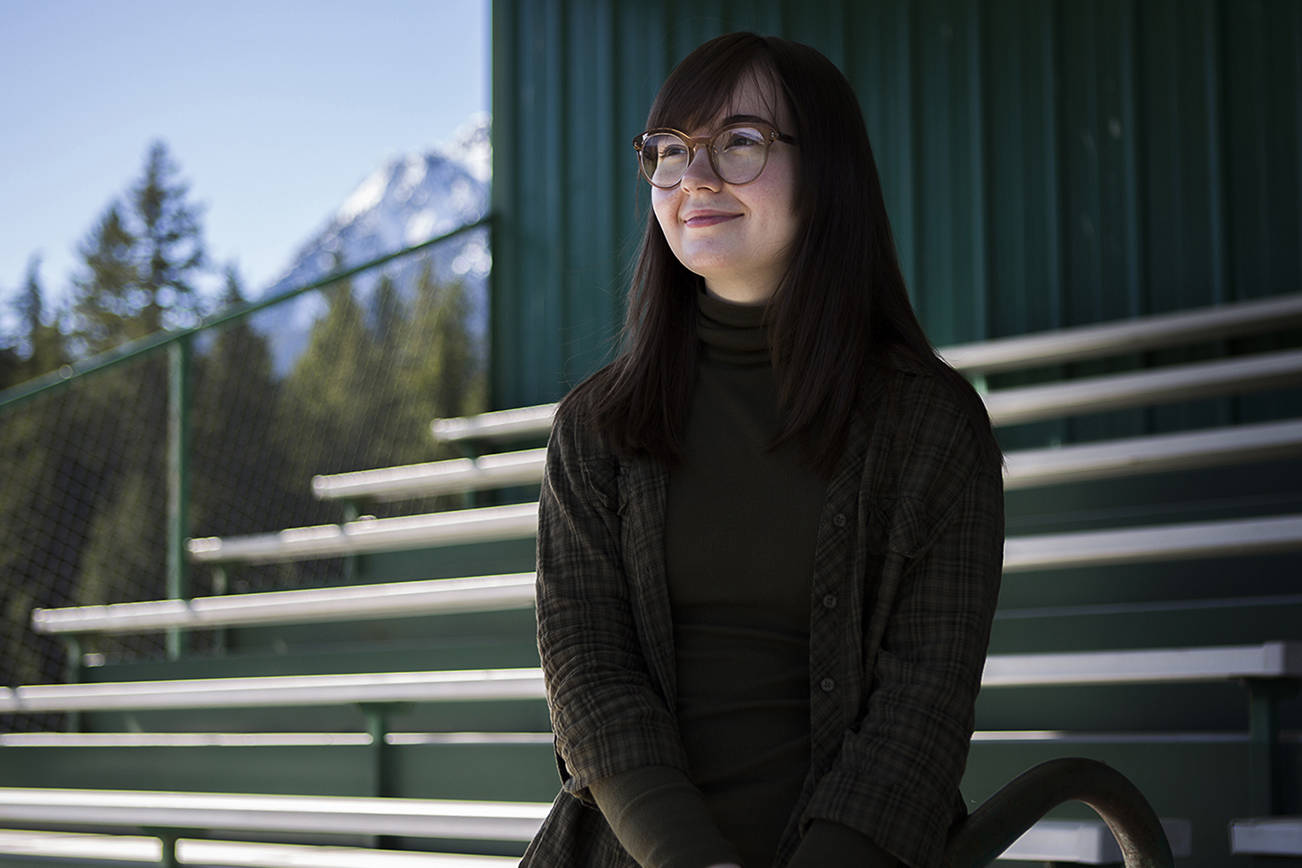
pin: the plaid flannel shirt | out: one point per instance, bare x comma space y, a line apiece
906, 575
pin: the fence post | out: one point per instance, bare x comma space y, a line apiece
178, 480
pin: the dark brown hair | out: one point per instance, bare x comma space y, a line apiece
842, 304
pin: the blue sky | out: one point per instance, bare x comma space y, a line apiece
275, 110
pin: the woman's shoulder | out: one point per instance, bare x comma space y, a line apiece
938, 416
575, 425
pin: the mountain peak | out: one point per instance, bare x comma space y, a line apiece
407, 200
472, 146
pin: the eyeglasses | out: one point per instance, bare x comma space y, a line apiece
738, 153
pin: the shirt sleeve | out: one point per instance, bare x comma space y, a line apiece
897, 773
607, 716
831, 845
660, 818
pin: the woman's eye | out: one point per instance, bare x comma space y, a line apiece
740, 140
672, 151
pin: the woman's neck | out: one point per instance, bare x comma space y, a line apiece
739, 293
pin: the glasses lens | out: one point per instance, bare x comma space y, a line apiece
740, 153
664, 159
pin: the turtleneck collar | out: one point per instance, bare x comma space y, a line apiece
731, 332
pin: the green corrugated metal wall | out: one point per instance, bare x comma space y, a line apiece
1045, 162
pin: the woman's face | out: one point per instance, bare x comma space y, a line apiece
738, 237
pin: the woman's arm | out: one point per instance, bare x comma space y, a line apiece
897, 772
617, 744
830, 845
660, 818
607, 717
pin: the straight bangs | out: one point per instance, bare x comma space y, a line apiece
703, 86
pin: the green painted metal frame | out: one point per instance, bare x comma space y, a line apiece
180, 354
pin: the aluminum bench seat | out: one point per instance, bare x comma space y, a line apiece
991, 356
1025, 468
1157, 453
265, 739
496, 426
347, 603
459, 685
1148, 666
356, 738
129, 849
1087, 842
483, 524
1267, 836
520, 521
1020, 404
1269, 660
431, 478
243, 812
1196, 539
1153, 332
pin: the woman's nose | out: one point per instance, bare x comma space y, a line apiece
699, 172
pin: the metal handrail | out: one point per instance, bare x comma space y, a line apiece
992, 828
1137, 334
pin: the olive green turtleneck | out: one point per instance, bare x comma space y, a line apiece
741, 521
740, 528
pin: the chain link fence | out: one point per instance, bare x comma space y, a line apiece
344, 378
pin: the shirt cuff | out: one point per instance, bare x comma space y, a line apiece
827, 844
661, 819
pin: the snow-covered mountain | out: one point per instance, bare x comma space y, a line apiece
404, 202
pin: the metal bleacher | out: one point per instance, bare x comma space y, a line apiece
1170, 649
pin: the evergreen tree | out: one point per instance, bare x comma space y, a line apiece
170, 244
46, 502
139, 265
449, 374
387, 313
236, 468
31, 306
107, 296
122, 413
37, 519
125, 549
83, 502
11, 366
42, 339
140, 261
11, 362
326, 392
396, 435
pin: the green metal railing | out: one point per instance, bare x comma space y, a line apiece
1005, 816
179, 345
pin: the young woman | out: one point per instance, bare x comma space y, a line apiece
770, 533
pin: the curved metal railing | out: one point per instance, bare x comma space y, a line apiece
1001, 820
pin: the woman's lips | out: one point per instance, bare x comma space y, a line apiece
698, 221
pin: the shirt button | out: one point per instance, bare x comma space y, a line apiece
830, 601
839, 519
827, 684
